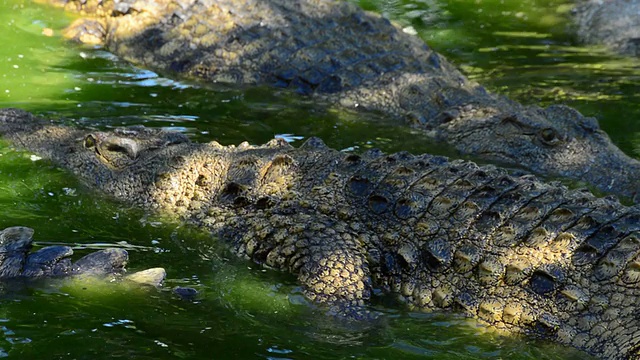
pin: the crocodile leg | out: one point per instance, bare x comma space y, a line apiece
335, 273
17, 261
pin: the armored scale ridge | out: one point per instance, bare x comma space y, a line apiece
515, 253
342, 55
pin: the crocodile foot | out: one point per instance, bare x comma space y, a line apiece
17, 261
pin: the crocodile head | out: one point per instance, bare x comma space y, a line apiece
124, 163
555, 142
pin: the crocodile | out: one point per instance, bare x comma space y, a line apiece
614, 23
343, 56
519, 255
19, 263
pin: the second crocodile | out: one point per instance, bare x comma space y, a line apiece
339, 53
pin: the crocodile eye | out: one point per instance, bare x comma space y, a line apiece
549, 136
411, 95
414, 90
89, 141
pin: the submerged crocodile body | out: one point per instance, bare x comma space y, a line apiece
18, 262
338, 53
518, 254
615, 23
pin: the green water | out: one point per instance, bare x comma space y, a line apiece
523, 49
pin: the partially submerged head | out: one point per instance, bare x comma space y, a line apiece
556, 142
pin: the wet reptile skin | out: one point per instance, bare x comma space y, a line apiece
19, 263
341, 55
614, 23
515, 253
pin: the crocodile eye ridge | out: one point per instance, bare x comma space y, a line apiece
90, 141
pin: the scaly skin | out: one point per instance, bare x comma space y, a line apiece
17, 262
614, 23
342, 55
513, 252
